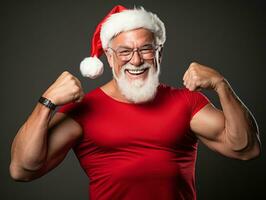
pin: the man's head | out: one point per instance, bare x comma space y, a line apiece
134, 58
132, 39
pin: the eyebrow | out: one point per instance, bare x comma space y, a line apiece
127, 47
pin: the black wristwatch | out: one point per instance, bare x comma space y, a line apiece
48, 103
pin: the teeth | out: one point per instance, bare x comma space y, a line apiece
135, 71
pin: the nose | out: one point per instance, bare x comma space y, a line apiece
136, 59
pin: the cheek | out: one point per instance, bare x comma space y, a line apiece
117, 68
153, 63
114, 64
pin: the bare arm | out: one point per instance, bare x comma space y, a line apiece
43, 141
233, 132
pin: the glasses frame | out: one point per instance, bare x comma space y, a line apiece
138, 49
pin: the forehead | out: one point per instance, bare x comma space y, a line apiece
133, 38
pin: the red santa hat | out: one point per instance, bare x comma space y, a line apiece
118, 20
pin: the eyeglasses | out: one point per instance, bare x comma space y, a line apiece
146, 52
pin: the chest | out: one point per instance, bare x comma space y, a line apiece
121, 125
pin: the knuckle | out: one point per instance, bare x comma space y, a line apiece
193, 72
78, 82
76, 89
71, 77
72, 81
197, 83
68, 77
193, 65
195, 77
65, 72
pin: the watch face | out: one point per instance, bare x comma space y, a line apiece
46, 102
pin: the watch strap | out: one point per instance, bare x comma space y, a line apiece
46, 102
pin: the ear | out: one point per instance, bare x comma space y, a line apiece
110, 58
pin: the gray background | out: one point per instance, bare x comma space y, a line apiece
39, 40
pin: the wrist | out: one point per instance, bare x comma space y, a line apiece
50, 96
221, 84
47, 102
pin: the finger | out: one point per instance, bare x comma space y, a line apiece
78, 100
68, 78
80, 97
193, 87
189, 78
77, 81
76, 97
197, 85
185, 75
189, 87
187, 84
198, 89
190, 82
63, 75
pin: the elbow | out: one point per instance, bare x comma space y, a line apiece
17, 174
251, 151
251, 154
25, 173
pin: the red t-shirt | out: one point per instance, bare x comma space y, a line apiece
138, 151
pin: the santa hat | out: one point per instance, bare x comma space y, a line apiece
119, 19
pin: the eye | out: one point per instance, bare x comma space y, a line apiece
124, 52
147, 49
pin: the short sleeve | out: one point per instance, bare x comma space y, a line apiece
196, 100
73, 110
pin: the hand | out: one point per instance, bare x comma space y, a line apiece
67, 88
199, 77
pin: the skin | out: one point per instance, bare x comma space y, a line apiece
44, 140
232, 131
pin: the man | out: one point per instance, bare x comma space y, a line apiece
135, 137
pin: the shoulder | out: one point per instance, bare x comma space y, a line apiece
181, 93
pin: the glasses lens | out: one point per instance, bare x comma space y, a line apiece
124, 54
146, 52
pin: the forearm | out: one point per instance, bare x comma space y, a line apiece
29, 148
241, 131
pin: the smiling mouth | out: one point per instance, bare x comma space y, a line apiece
136, 72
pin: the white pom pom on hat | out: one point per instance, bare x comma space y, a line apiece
91, 67
119, 19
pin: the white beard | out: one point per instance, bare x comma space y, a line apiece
138, 90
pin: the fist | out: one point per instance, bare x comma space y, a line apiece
199, 76
67, 88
